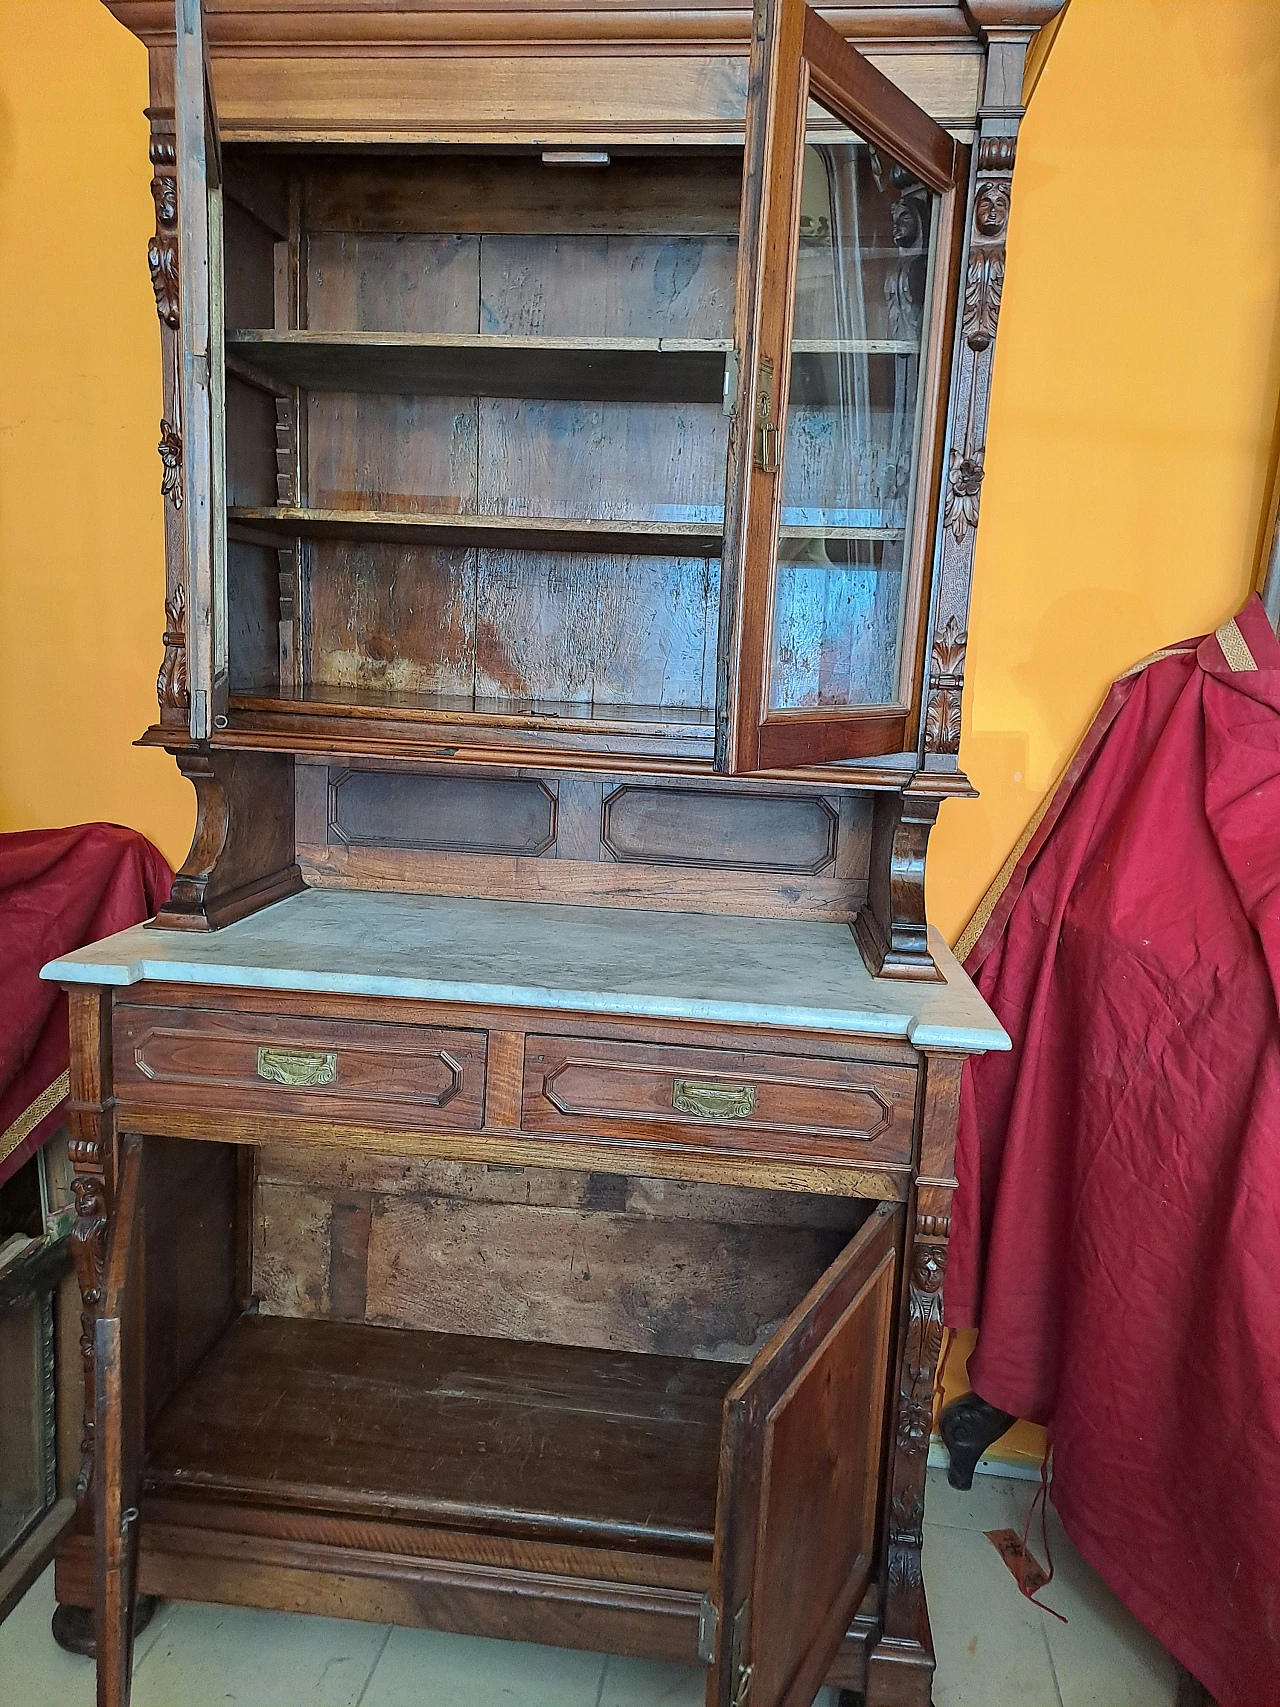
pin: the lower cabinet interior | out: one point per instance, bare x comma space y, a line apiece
529, 1354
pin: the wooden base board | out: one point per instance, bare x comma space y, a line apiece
236, 1568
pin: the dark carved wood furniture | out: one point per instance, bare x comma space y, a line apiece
514, 1169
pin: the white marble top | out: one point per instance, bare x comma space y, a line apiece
606, 960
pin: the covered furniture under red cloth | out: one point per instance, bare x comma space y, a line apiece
1117, 1229
59, 889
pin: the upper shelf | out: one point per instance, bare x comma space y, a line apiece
447, 364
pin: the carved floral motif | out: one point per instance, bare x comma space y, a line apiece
946, 685
162, 258
170, 448
171, 683
983, 289
964, 488
89, 1247
920, 1353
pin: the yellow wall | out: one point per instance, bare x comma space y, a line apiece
1134, 405
81, 544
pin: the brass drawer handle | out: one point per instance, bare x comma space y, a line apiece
713, 1102
298, 1066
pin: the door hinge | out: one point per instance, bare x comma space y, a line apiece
741, 1670
708, 1621
765, 447
729, 402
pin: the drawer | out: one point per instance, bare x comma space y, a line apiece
348, 1072
783, 1105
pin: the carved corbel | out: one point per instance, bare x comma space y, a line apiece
891, 928
242, 855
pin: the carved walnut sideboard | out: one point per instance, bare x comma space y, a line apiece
514, 1169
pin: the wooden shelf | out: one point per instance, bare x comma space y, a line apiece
374, 703
631, 370
541, 1441
628, 370
504, 533
518, 533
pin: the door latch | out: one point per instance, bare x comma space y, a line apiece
765, 450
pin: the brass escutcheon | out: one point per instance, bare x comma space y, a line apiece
298, 1066
713, 1102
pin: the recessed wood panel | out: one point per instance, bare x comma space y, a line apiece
403, 1077
452, 814
749, 832
728, 1099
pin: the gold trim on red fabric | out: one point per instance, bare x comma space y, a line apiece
33, 1114
1235, 648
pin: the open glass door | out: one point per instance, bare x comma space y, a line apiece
202, 376
841, 312
799, 1474
119, 1394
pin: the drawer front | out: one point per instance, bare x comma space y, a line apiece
350, 1072
791, 1105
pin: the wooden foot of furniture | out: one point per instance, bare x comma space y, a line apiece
891, 928
72, 1626
969, 1426
899, 1674
242, 856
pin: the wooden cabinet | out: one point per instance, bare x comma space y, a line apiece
573, 435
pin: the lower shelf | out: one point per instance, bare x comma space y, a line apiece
544, 1442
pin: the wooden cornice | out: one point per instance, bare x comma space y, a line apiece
403, 25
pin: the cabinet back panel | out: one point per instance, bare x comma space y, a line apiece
514, 626
696, 195
571, 1258
557, 286
504, 456
253, 637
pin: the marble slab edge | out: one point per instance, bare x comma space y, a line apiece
921, 1033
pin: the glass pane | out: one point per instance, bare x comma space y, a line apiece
852, 429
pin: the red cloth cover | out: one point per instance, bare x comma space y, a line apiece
1117, 1227
59, 889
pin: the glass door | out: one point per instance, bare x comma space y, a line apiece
844, 281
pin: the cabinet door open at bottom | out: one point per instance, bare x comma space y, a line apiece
119, 1361
799, 1475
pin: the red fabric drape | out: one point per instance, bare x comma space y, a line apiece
1116, 1236
59, 889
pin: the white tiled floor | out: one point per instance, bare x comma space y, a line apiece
994, 1648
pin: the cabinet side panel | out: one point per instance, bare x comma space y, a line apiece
191, 1257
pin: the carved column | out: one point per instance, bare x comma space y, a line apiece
1007, 27
162, 260
901, 1663
91, 1116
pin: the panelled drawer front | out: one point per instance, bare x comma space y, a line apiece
802, 1106
352, 1072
